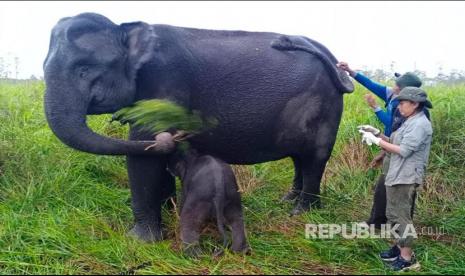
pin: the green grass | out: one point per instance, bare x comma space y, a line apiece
67, 212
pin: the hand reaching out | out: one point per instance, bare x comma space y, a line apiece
345, 66
369, 138
371, 101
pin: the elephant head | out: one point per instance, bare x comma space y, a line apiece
91, 68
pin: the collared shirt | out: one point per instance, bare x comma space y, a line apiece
414, 138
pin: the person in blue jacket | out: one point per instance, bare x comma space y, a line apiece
392, 120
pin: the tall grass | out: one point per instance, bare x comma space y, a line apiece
67, 212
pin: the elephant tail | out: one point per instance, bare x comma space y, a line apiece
297, 43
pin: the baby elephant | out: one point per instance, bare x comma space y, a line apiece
209, 191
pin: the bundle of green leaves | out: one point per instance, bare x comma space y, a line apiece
160, 115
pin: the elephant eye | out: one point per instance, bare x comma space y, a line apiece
83, 71
125, 40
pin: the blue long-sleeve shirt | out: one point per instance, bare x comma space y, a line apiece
385, 93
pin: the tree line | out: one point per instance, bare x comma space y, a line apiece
9, 70
453, 77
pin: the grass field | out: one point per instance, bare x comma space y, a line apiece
67, 212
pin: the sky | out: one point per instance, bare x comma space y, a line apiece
399, 36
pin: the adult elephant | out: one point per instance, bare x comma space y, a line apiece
274, 96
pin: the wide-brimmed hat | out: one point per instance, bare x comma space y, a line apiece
407, 79
414, 94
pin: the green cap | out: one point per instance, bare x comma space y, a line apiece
407, 79
414, 94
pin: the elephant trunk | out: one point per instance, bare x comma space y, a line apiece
67, 119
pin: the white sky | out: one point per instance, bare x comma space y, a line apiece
368, 35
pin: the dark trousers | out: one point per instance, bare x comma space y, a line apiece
378, 210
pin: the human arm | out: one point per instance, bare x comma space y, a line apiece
378, 89
383, 116
389, 147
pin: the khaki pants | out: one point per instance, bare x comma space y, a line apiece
399, 205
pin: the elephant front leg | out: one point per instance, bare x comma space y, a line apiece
193, 216
147, 176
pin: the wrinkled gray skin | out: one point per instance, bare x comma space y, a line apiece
209, 192
274, 96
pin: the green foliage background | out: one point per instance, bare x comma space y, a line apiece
67, 212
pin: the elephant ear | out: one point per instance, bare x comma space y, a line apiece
141, 42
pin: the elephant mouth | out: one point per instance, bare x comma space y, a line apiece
100, 109
98, 106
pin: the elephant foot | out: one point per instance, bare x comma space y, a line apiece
218, 252
298, 210
303, 206
246, 250
146, 233
192, 250
291, 196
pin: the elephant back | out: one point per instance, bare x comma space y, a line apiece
300, 43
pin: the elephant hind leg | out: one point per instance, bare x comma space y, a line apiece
313, 160
312, 171
235, 219
220, 221
297, 183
